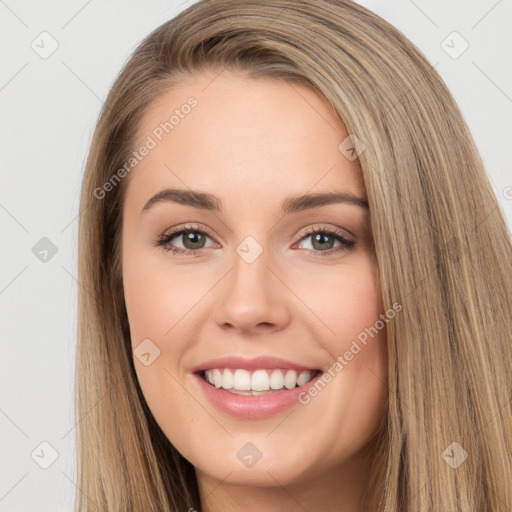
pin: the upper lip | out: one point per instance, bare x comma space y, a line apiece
255, 363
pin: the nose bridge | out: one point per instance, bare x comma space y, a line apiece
252, 295
251, 270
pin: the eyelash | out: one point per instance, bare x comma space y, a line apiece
164, 240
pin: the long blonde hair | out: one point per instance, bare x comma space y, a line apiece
441, 243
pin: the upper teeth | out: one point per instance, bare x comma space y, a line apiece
258, 380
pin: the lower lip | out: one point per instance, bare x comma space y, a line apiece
253, 406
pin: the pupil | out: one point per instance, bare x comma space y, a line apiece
318, 238
194, 239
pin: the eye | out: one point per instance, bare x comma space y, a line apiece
323, 240
192, 237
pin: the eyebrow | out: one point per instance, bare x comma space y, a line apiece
294, 204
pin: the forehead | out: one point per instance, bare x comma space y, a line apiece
244, 137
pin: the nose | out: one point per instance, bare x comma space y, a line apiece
252, 299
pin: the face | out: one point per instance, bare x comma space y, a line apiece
271, 294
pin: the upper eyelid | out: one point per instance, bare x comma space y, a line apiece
323, 228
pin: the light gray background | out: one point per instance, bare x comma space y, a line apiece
48, 110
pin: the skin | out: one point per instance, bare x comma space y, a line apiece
253, 143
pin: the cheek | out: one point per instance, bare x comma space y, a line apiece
157, 303
163, 303
158, 298
352, 330
346, 299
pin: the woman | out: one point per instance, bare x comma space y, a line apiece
296, 279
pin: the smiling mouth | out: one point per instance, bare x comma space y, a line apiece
257, 382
